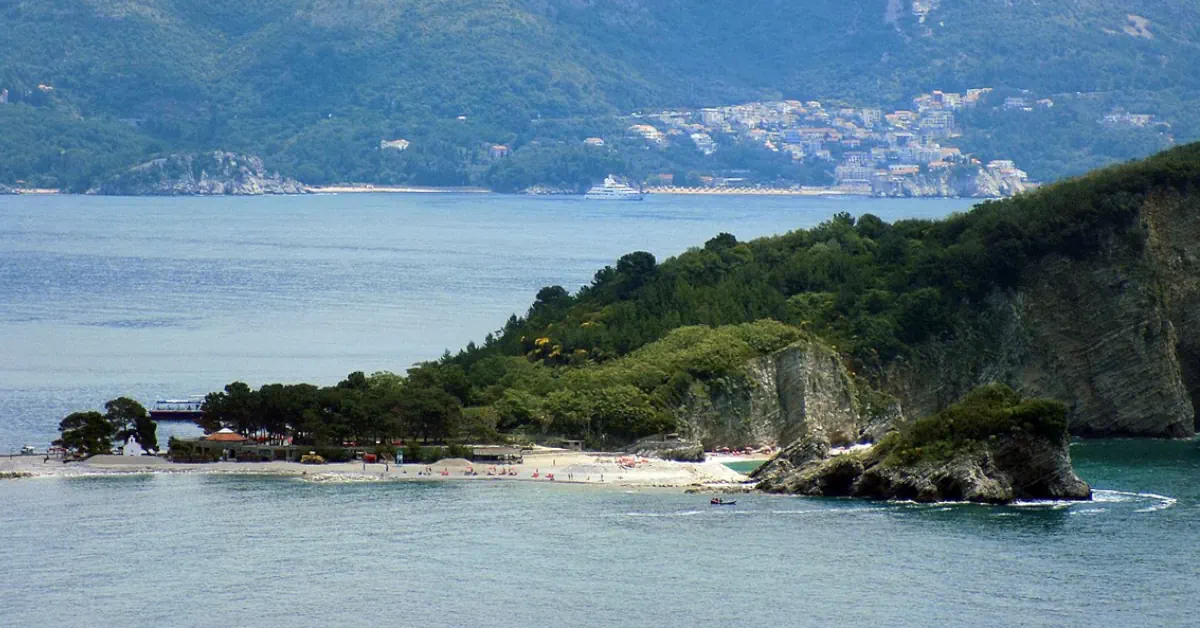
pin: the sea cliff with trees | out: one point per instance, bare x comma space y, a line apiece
1078, 297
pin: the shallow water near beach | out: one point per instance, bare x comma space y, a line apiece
203, 550
170, 297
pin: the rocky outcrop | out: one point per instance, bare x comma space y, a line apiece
677, 450
1026, 468
550, 190
199, 174
977, 183
1011, 463
784, 395
1115, 335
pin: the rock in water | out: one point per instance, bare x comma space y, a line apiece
199, 174
991, 447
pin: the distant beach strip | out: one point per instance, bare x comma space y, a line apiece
354, 188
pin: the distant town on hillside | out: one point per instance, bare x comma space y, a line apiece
872, 150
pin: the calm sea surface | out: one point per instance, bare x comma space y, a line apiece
169, 297
191, 550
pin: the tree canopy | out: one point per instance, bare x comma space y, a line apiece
90, 433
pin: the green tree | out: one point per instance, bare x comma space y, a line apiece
88, 433
132, 420
235, 408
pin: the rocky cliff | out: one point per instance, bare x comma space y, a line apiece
215, 173
991, 448
980, 183
1115, 335
785, 395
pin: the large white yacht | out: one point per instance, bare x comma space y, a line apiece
612, 190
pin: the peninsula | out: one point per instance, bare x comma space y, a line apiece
952, 357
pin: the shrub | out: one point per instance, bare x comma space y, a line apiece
988, 412
335, 454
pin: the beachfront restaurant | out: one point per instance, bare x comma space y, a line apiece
496, 455
227, 444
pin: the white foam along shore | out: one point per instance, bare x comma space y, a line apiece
569, 467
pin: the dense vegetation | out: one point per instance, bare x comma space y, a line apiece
313, 85
986, 413
1050, 143
616, 360
609, 404
90, 433
873, 289
359, 410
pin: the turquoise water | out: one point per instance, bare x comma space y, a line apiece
744, 466
189, 550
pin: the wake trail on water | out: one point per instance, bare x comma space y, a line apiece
1162, 502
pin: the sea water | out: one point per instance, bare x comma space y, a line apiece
168, 297
204, 550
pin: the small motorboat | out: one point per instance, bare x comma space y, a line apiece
717, 501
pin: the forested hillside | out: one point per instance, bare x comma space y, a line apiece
871, 288
313, 85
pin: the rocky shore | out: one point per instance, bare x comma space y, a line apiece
199, 174
992, 447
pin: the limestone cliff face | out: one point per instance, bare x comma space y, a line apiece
1116, 336
215, 173
979, 184
999, 472
799, 389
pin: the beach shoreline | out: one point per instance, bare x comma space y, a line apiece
366, 188
746, 191
568, 468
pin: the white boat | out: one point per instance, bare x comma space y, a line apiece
612, 190
189, 409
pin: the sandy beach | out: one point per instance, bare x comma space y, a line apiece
555, 466
736, 191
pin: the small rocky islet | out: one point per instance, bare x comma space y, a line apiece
214, 173
991, 447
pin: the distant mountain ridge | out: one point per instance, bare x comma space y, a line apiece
303, 81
